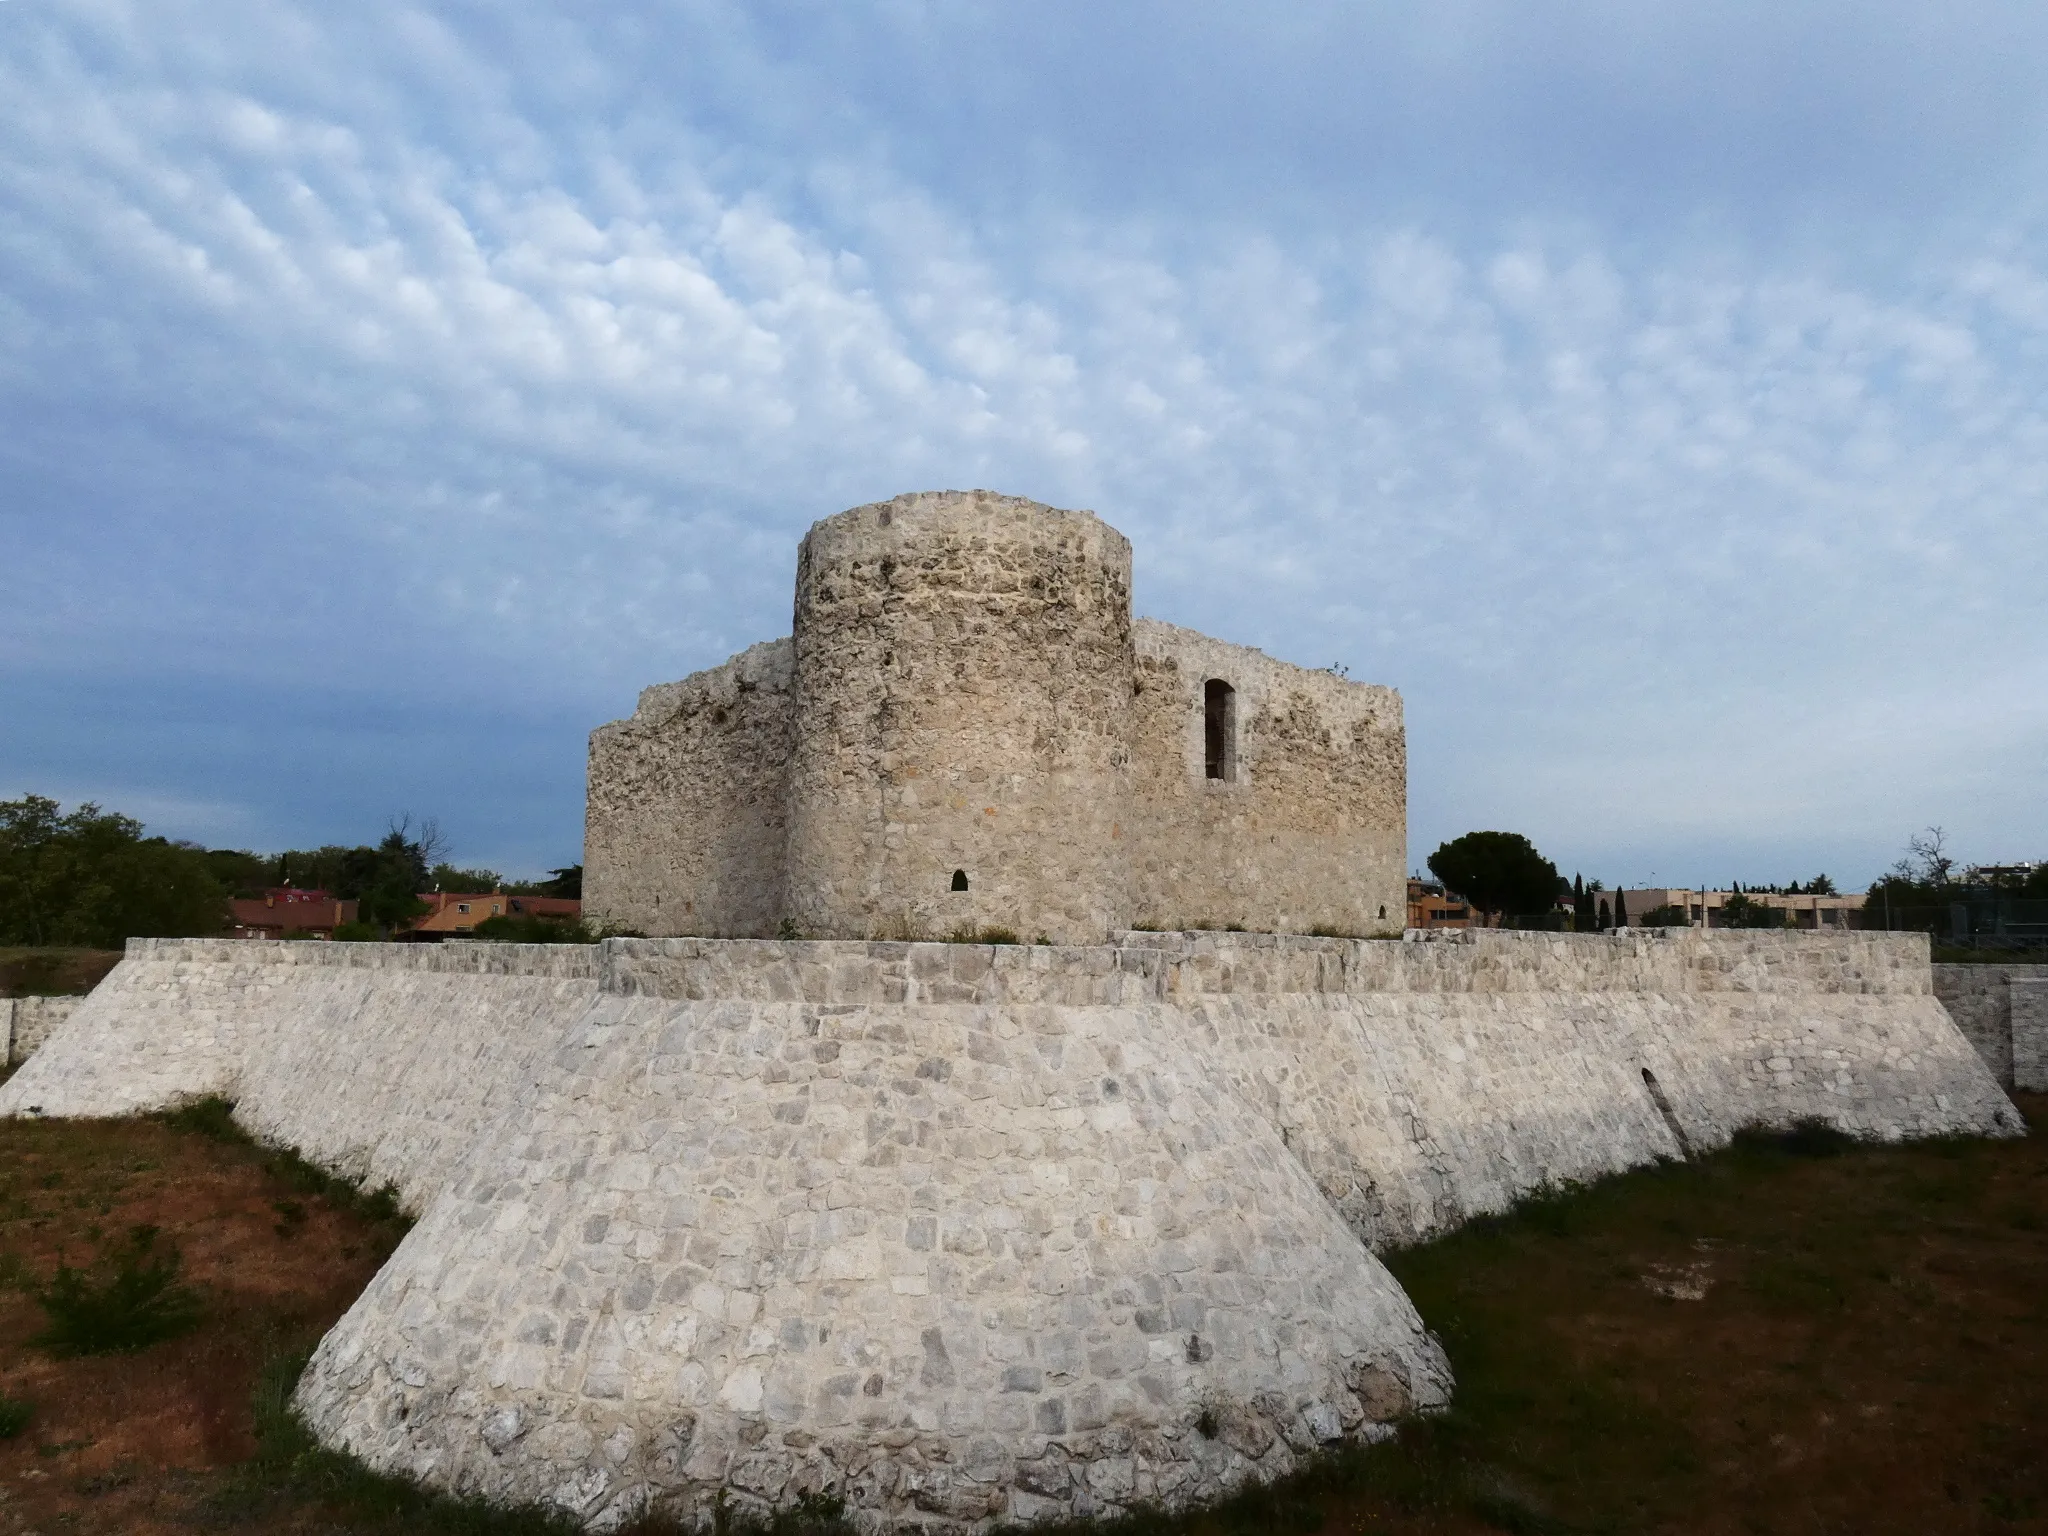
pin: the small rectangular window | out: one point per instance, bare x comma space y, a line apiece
1219, 729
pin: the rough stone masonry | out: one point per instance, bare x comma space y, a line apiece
967, 730
966, 1232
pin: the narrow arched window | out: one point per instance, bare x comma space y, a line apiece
959, 879
1219, 729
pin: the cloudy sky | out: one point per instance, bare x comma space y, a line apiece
1656, 395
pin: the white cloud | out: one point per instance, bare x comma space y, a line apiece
480, 354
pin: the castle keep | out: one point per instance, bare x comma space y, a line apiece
966, 729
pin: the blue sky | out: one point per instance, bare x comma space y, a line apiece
1657, 396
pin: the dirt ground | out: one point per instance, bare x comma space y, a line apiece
134, 1443
1780, 1338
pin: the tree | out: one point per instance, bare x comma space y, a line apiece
385, 881
90, 878
1606, 916
1498, 872
446, 877
1582, 905
1620, 907
566, 882
1740, 911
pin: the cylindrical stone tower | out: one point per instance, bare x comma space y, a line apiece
963, 683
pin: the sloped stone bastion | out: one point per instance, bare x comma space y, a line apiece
962, 1232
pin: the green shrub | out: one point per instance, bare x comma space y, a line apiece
1806, 1138
969, 934
212, 1117
138, 1303
523, 928
14, 1417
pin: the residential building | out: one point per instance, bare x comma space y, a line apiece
455, 913
288, 912
1823, 914
1430, 906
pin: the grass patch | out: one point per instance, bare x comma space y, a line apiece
53, 971
214, 1118
292, 1470
136, 1301
968, 934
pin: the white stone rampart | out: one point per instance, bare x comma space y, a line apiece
377, 1061
2027, 1006
1979, 998
961, 1232
26, 1022
1426, 1082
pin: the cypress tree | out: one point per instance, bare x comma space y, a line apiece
1620, 908
1606, 917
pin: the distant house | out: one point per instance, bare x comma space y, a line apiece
288, 912
454, 913
1825, 914
1430, 906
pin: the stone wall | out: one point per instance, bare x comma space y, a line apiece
963, 668
26, 1022
2029, 1005
960, 1232
966, 700
964, 1232
377, 1061
1426, 1082
1307, 831
687, 800
1979, 998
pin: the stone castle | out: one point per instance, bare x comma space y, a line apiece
968, 1233
967, 730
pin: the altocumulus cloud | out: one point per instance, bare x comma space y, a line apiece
391, 391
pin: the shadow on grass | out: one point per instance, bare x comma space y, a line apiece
291, 1470
214, 1118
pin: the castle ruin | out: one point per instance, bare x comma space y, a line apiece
966, 730
974, 1233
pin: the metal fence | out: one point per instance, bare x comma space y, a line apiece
1969, 922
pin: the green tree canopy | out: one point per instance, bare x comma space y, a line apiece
449, 877
90, 878
1740, 911
1497, 872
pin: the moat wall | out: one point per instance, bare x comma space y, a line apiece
26, 1022
961, 1232
1998, 1010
